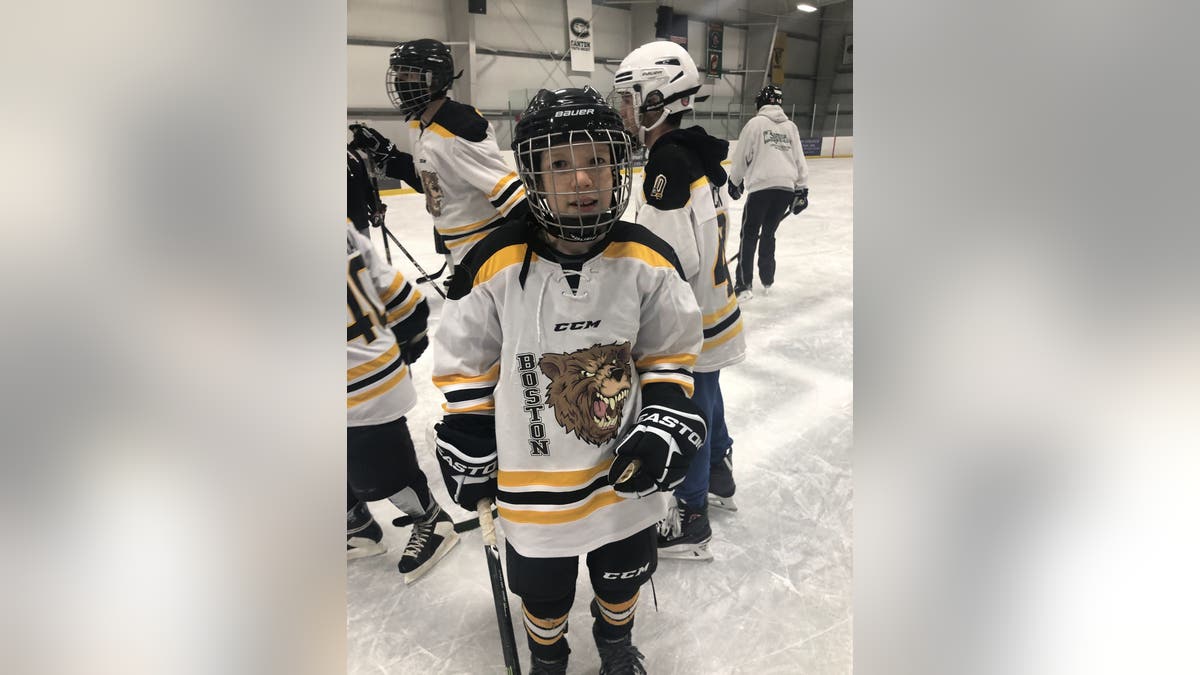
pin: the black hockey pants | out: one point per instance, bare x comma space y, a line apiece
765, 209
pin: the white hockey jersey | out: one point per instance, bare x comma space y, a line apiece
469, 190
681, 203
768, 153
378, 301
558, 350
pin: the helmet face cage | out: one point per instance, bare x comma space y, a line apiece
595, 155
412, 92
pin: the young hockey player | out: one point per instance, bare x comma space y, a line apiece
565, 353
655, 85
385, 332
455, 162
770, 161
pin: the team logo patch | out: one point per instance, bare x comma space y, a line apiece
433, 193
588, 388
660, 184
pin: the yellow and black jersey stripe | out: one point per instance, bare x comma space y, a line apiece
466, 235
400, 300
721, 326
671, 369
509, 191
554, 497
375, 378
466, 393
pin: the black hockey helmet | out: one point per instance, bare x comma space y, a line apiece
769, 95
363, 206
572, 117
432, 65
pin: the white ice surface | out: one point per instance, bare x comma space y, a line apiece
777, 599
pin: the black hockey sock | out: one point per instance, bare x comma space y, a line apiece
614, 616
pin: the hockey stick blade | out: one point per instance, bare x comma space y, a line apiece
461, 526
508, 642
388, 235
431, 277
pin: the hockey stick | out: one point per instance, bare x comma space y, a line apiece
508, 642
387, 251
431, 277
464, 526
388, 235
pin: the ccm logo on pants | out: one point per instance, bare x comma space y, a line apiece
627, 575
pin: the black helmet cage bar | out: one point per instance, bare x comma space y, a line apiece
540, 187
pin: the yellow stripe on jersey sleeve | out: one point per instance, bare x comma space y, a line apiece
405, 309
700, 182
468, 407
597, 501
393, 289
501, 184
672, 360
467, 228
670, 378
455, 243
380, 389
558, 479
506, 257
443, 381
633, 249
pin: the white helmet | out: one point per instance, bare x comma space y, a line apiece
658, 75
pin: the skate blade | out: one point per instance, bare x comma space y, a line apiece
364, 548
448, 543
697, 552
723, 503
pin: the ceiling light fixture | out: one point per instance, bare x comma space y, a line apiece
805, 7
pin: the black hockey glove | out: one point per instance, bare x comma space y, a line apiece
372, 141
735, 191
412, 349
466, 453
800, 201
665, 439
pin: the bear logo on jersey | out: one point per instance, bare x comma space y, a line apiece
433, 193
588, 388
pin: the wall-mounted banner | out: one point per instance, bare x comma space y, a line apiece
848, 51
579, 34
716, 43
811, 146
777, 50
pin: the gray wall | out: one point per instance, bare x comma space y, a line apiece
504, 82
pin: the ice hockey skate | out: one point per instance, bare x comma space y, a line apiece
766, 290
745, 294
543, 667
618, 657
721, 485
363, 535
431, 539
685, 533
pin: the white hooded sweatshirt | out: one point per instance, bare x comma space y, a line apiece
768, 153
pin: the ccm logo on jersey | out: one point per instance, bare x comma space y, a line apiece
572, 113
575, 325
627, 575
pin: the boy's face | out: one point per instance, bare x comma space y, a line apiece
578, 178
